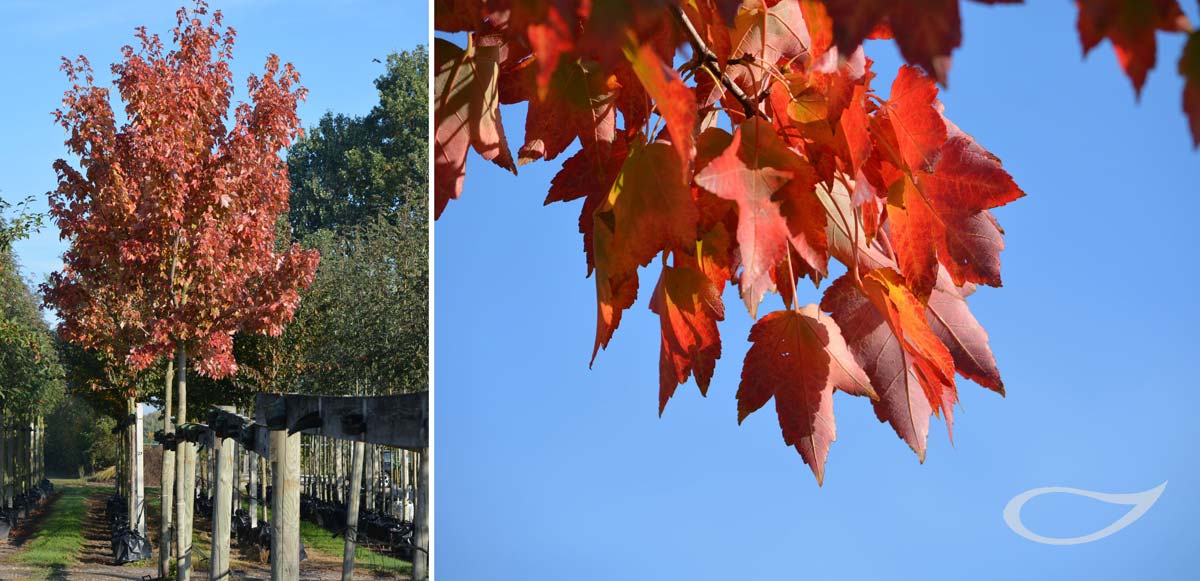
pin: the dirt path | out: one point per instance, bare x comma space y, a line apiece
96, 560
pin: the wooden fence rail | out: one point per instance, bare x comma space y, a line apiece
273, 438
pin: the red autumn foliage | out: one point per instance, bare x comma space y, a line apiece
171, 210
818, 166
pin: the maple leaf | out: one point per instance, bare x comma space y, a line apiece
762, 175
466, 114
676, 102
799, 357
820, 27
581, 102
585, 176
905, 315
1130, 25
1189, 67
942, 216
888, 331
951, 320
549, 39
926, 31
648, 209
911, 119
688, 305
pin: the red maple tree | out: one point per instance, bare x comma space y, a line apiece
171, 212
818, 165
171, 215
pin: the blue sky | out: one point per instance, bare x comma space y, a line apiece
549, 470
330, 42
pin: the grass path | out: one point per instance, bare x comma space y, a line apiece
57, 542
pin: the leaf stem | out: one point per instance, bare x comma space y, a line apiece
706, 58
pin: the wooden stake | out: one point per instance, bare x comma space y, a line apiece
356, 467
139, 473
285, 507
222, 508
166, 482
421, 521
253, 472
183, 483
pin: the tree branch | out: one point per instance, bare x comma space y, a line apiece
705, 57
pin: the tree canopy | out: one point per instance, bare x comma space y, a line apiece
349, 170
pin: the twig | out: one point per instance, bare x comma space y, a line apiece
705, 57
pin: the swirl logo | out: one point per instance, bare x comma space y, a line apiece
1140, 501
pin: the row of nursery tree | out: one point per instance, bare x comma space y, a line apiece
203, 267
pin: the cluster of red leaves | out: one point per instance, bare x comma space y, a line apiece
927, 32
818, 166
172, 215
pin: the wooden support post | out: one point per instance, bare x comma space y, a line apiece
130, 470
339, 471
369, 466
222, 507
237, 477
421, 521
184, 481
285, 506
356, 467
263, 465
29, 456
253, 492
167, 480
139, 473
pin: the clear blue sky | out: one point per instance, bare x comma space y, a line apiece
549, 470
330, 42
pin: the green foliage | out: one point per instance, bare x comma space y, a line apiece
79, 436
104, 383
31, 378
369, 307
19, 225
348, 170
358, 197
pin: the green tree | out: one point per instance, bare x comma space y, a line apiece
369, 305
348, 170
31, 378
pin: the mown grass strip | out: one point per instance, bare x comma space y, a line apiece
321, 540
60, 539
